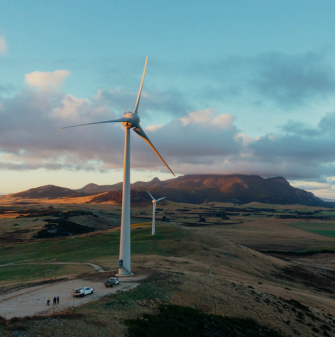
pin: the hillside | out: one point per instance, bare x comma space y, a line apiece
116, 196
193, 189
290, 298
95, 189
49, 191
235, 188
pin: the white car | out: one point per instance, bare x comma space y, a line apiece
80, 292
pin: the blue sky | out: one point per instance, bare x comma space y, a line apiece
231, 87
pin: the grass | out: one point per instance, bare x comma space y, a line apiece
27, 273
103, 248
328, 212
91, 248
279, 207
314, 225
175, 320
327, 233
322, 228
147, 291
100, 249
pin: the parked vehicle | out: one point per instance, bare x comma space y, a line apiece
113, 281
81, 292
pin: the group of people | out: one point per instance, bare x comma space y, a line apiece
55, 300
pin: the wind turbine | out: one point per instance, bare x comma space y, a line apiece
130, 120
154, 202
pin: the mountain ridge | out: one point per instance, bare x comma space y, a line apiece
193, 188
48, 191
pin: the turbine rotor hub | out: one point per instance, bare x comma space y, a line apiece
134, 120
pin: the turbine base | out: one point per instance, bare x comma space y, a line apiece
123, 272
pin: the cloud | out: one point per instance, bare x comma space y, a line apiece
301, 152
202, 141
285, 81
323, 190
154, 127
325, 127
199, 117
310, 186
209, 117
327, 124
300, 128
30, 136
47, 80
3, 45
70, 106
293, 80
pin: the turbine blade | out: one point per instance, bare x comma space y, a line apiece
111, 121
140, 91
151, 196
142, 134
160, 199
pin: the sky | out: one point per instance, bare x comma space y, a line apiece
231, 87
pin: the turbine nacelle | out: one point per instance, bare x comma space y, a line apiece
133, 120
155, 200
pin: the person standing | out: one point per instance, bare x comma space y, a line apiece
48, 300
54, 303
57, 300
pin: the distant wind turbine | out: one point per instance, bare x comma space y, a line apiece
130, 120
154, 202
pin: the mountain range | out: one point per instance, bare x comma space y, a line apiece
194, 189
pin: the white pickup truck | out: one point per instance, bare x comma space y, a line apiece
80, 292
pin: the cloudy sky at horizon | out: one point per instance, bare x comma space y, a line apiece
231, 87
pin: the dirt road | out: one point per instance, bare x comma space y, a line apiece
30, 301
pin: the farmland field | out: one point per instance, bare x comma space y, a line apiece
322, 228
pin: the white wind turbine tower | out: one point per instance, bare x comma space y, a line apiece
154, 202
130, 120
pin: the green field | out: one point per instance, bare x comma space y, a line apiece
93, 248
31, 260
256, 231
31, 272
322, 228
